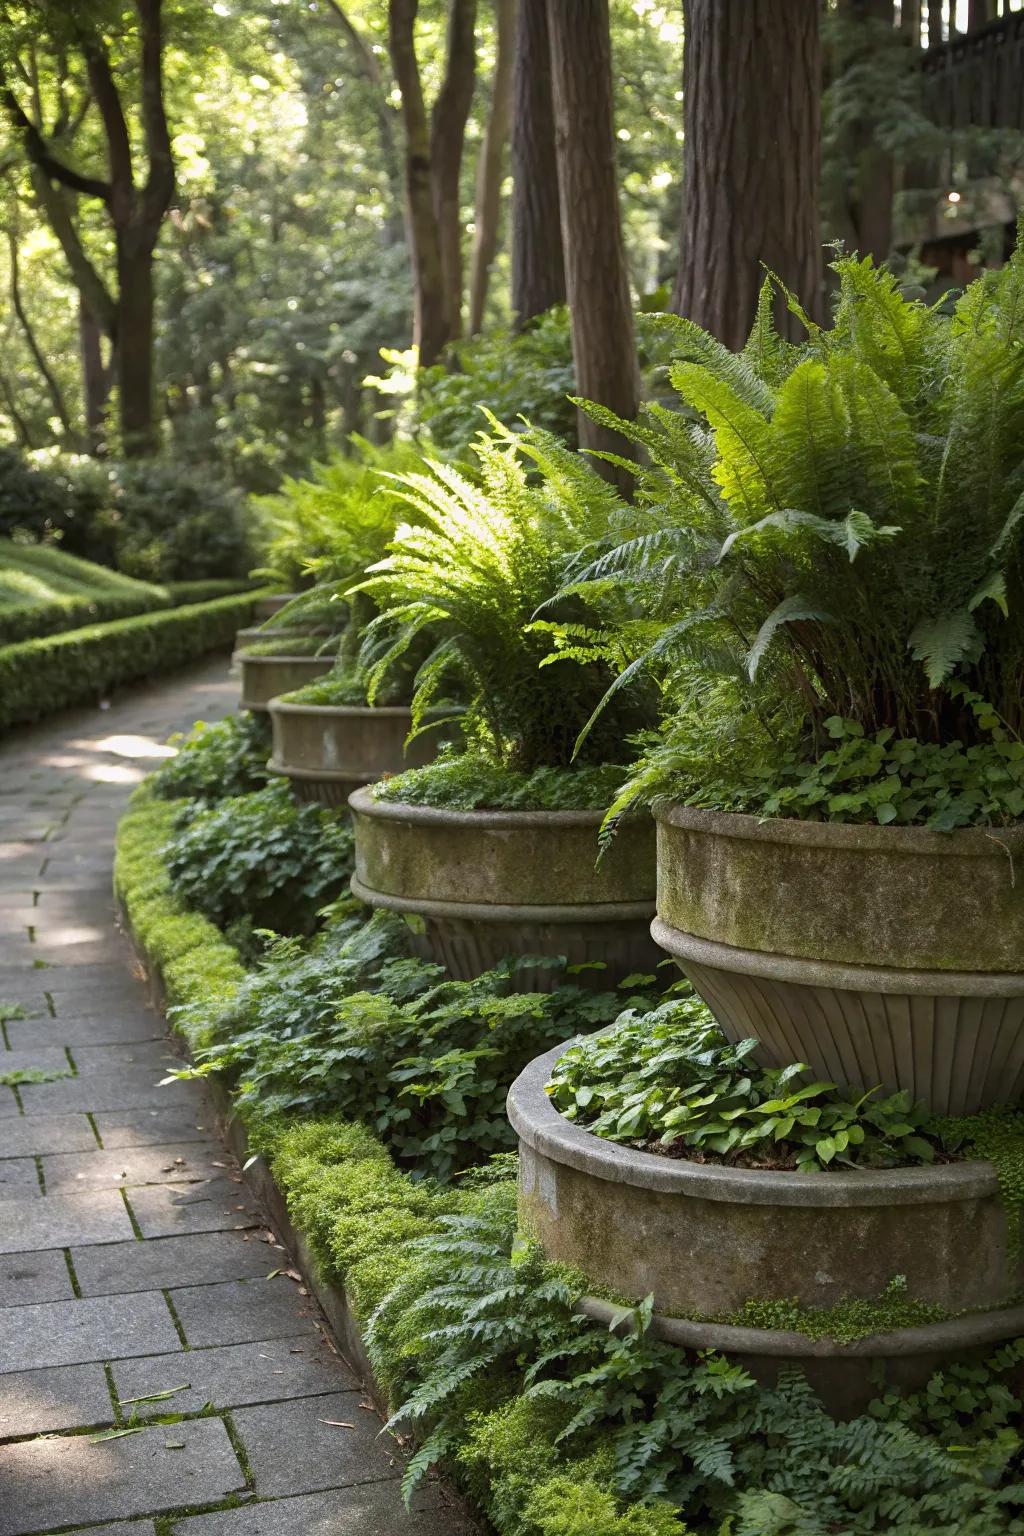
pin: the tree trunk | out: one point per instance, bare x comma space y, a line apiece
447, 138
96, 377
49, 378
979, 13
604, 351
490, 165
910, 21
752, 97
135, 347
538, 267
430, 321
934, 23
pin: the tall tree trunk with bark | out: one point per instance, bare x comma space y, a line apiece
96, 376
433, 160
934, 23
597, 280
752, 94
538, 266
873, 180
491, 164
49, 378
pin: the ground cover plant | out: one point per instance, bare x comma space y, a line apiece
832, 535
215, 762
261, 859
488, 550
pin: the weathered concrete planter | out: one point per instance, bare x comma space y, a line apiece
878, 955
326, 751
705, 1239
494, 883
265, 607
264, 677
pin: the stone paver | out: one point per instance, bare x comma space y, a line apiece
29, 1278
90, 1328
92, 1216
199, 1258
48, 1483
369, 1510
181, 1162
234, 1375
39, 1402
303, 1446
87, 1272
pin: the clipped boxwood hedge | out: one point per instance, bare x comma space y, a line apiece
40, 676
30, 621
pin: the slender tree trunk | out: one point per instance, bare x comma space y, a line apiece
752, 89
135, 347
447, 138
934, 23
430, 321
96, 377
597, 281
538, 267
910, 20
980, 13
21, 426
49, 378
490, 165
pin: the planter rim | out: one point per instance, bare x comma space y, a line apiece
365, 803
948, 1336
278, 706
839, 976
962, 842
537, 1122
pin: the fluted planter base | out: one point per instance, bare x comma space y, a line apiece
478, 886
880, 956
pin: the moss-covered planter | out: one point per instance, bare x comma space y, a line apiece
491, 883
705, 1239
270, 603
878, 955
264, 677
326, 751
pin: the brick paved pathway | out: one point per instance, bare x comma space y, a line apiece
131, 1262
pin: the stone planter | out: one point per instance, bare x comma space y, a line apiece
264, 677
326, 751
705, 1239
265, 607
491, 883
878, 955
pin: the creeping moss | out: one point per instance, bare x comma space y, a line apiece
849, 1320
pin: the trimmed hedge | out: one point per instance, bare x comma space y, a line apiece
205, 591
38, 677
44, 591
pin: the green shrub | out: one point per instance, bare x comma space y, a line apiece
45, 591
181, 592
33, 503
40, 676
166, 522
215, 762
263, 859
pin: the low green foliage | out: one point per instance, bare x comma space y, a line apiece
469, 782
215, 762
998, 1135
40, 676
261, 858
189, 955
345, 686
352, 1025
293, 645
669, 1079
19, 1075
